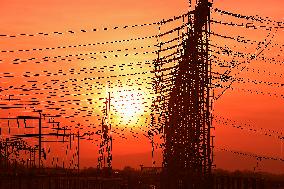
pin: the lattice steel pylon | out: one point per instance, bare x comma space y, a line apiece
105, 148
188, 142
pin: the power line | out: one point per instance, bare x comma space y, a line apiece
253, 18
42, 34
252, 155
255, 55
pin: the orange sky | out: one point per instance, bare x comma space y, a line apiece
31, 16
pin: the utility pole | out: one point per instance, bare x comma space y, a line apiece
39, 140
78, 150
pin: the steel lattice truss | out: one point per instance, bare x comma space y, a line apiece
186, 110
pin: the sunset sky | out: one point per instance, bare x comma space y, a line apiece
77, 89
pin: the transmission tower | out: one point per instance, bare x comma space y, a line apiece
188, 142
105, 150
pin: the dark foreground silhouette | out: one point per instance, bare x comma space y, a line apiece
128, 178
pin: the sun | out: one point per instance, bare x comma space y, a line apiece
128, 104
